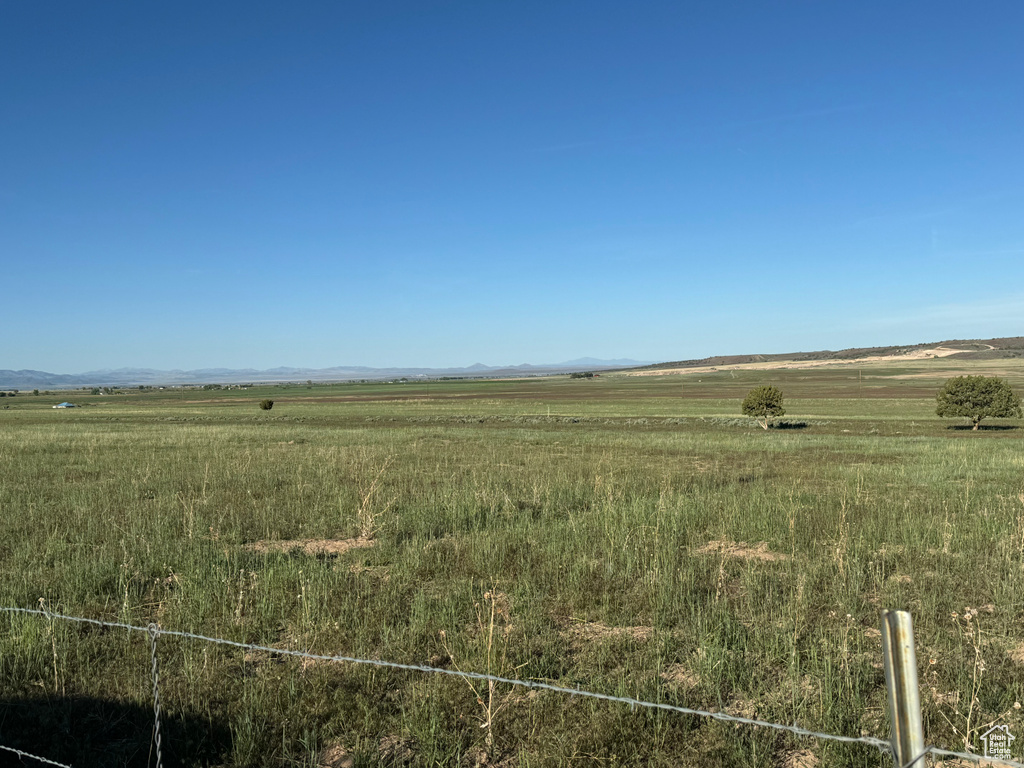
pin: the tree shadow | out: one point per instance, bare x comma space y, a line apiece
788, 425
85, 731
982, 427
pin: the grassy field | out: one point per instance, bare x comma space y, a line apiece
628, 535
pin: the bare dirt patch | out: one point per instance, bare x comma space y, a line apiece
478, 758
396, 750
802, 758
310, 546
740, 707
594, 631
679, 677
1017, 654
742, 550
336, 757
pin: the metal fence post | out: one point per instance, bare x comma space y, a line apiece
154, 632
901, 686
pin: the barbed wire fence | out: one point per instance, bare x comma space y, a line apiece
890, 749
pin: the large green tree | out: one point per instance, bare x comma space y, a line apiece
763, 403
977, 397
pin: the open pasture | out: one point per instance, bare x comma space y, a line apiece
627, 535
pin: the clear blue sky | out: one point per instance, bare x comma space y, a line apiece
251, 184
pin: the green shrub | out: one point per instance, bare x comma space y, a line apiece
266, 405
977, 397
763, 403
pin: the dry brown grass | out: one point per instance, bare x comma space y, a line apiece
679, 677
740, 707
377, 571
396, 750
594, 631
310, 546
801, 758
1017, 654
742, 550
392, 750
335, 756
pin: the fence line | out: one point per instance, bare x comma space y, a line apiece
23, 755
153, 631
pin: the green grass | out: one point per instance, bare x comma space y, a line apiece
583, 508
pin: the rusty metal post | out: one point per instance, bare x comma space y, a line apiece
901, 685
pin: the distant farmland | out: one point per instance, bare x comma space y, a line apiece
629, 535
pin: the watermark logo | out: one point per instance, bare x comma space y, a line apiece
997, 740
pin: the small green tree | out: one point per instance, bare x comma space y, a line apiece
977, 397
763, 403
266, 405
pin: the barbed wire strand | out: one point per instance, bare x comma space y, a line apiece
880, 744
154, 631
723, 716
916, 760
23, 755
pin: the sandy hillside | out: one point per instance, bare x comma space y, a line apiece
915, 354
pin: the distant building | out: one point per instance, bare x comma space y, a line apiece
65, 405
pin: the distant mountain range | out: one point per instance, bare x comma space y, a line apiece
974, 349
129, 377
